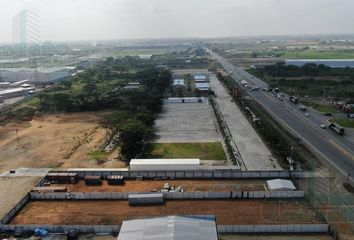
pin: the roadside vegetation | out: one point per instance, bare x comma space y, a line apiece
310, 80
307, 53
203, 151
344, 122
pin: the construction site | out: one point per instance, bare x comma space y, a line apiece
100, 200
251, 195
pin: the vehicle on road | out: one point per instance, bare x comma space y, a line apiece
337, 129
303, 108
323, 126
294, 100
306, 115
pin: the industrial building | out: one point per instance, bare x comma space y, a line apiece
164, 164
145, 198
202, 86
171, 227
185, 100
36, 75
280, 185
15, 92
200, 78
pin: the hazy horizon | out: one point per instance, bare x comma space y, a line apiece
89, 20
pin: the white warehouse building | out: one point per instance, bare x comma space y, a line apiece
164, 164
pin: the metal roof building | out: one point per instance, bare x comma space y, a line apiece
169, 228
164, 164
280, 185
200, 78
202, 86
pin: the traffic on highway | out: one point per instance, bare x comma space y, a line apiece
304, 123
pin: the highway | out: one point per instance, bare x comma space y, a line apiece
336, 150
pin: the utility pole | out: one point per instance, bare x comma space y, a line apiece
276, 74
324, 92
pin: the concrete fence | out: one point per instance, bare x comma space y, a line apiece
63, 228
13, 212
200, 174
279, 228
167, 195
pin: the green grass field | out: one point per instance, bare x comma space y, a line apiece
312, 54
348, 123
325, 109
203, 151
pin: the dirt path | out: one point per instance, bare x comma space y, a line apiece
114, 212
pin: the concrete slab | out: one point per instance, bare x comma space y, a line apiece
255, 154
186, 122
13, 190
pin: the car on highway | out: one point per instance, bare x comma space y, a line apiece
306, 115
328, 114
323, 126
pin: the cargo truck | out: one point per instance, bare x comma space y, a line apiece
93, 180
115, 180
337, 129
294, 100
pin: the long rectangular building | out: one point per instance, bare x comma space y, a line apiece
164, 164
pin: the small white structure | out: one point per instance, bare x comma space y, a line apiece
178, 82
280, 185
202, 86
164, 164
170, 227
200, 78
145, 198
145, 56
185, 100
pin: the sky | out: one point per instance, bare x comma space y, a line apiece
67, 20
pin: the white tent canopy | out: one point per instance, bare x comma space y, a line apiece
280, 185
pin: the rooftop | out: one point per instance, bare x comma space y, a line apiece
159, 161
276, 184
169, 228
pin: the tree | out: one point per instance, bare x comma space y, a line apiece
114, 122
132, 137
146, 117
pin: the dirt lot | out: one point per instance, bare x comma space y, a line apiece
59, 140
275, 237
114, 212
12, 190
188, 185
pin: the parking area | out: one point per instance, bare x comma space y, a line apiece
186, 122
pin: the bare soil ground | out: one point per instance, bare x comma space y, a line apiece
188, 185
275, 237
12, 190
58, 140
114, 212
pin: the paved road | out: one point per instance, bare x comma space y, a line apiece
338, 151
254, 153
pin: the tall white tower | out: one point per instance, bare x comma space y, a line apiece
26, 28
